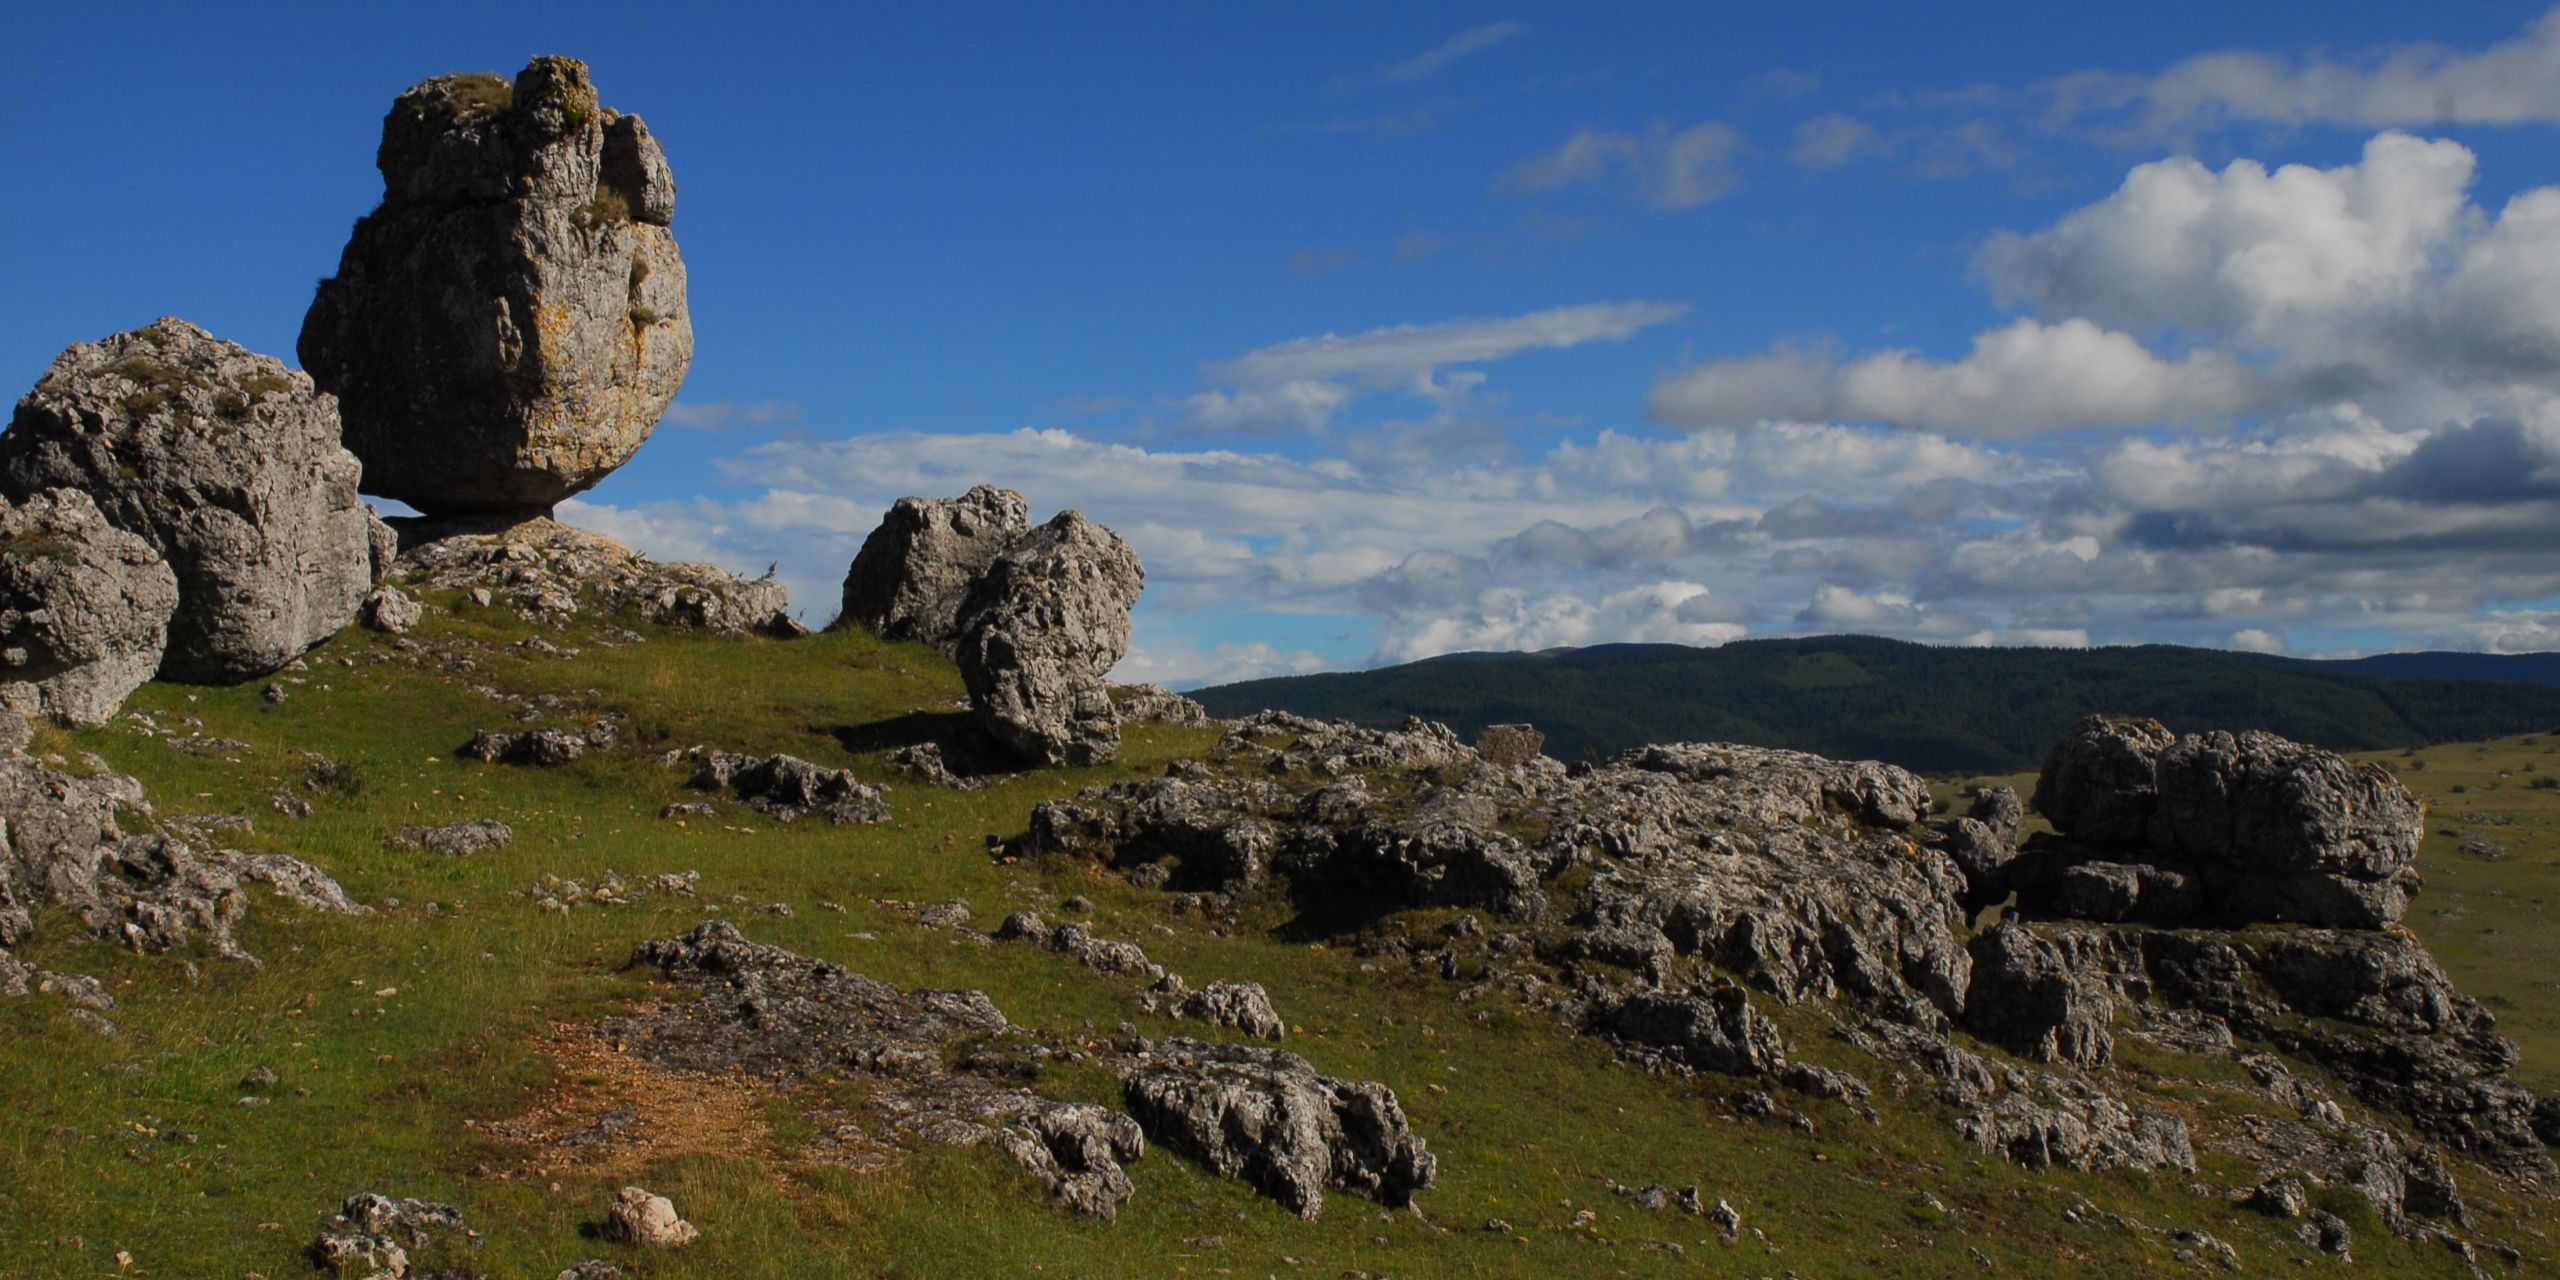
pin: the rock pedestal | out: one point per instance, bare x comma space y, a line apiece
506, 328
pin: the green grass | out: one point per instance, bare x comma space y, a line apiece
414, 1030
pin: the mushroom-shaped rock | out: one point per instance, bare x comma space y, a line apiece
84, 609
1038, 631
913, 572
229, 465
506, 328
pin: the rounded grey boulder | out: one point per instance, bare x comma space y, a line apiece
84, 609
915, 570
1037, 632
506, 328
229, 465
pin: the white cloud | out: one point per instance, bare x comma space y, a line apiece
1302, 384
2516, 81
1179, 667
1671, 170
1836, 139
1509, 618
1432, 61
731, 415
2258, 640
2026, 377
2279, 258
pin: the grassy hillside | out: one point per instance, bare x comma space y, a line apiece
1924, 707
421, 1047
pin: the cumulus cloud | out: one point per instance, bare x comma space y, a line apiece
2516, 81
1509, 618
1185, 667
1303, 383
1670, 169
2258, 640
2026, 377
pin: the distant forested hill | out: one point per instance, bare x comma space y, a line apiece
1927, 708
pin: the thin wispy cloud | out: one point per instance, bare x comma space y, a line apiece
1431, 62
732, 415
2516, 81
1669, 169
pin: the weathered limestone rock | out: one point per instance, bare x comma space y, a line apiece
1037, 632
552, 572
649, 1221
913, 572
1242, 1005
229, 465
84, 609
456, 839
1704, 1029
508, 326
788, 788
1509, 743
61, 843
373, 1236
2029, 998
386, 609
1266, 1116
769, 1015
2217, 828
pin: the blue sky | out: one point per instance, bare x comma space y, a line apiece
1385, 331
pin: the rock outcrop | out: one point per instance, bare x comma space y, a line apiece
913, 572
788, 788
62, 842
1692, 904
375, 1236
1265, 1115
551, 572
774, 1017
1037, 633
2216, 828
84, 609
508, 326
229, 465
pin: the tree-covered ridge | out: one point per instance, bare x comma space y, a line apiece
1925, 707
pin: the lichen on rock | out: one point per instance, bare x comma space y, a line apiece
508, 326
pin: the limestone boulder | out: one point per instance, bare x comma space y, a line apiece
2217, 828
915, 570
84, 609
508, 326
1037, 632
229, 465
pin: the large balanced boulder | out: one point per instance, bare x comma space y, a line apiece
84, 609
506, 328
915, 570
2217, 828
1037, 632
229, 465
